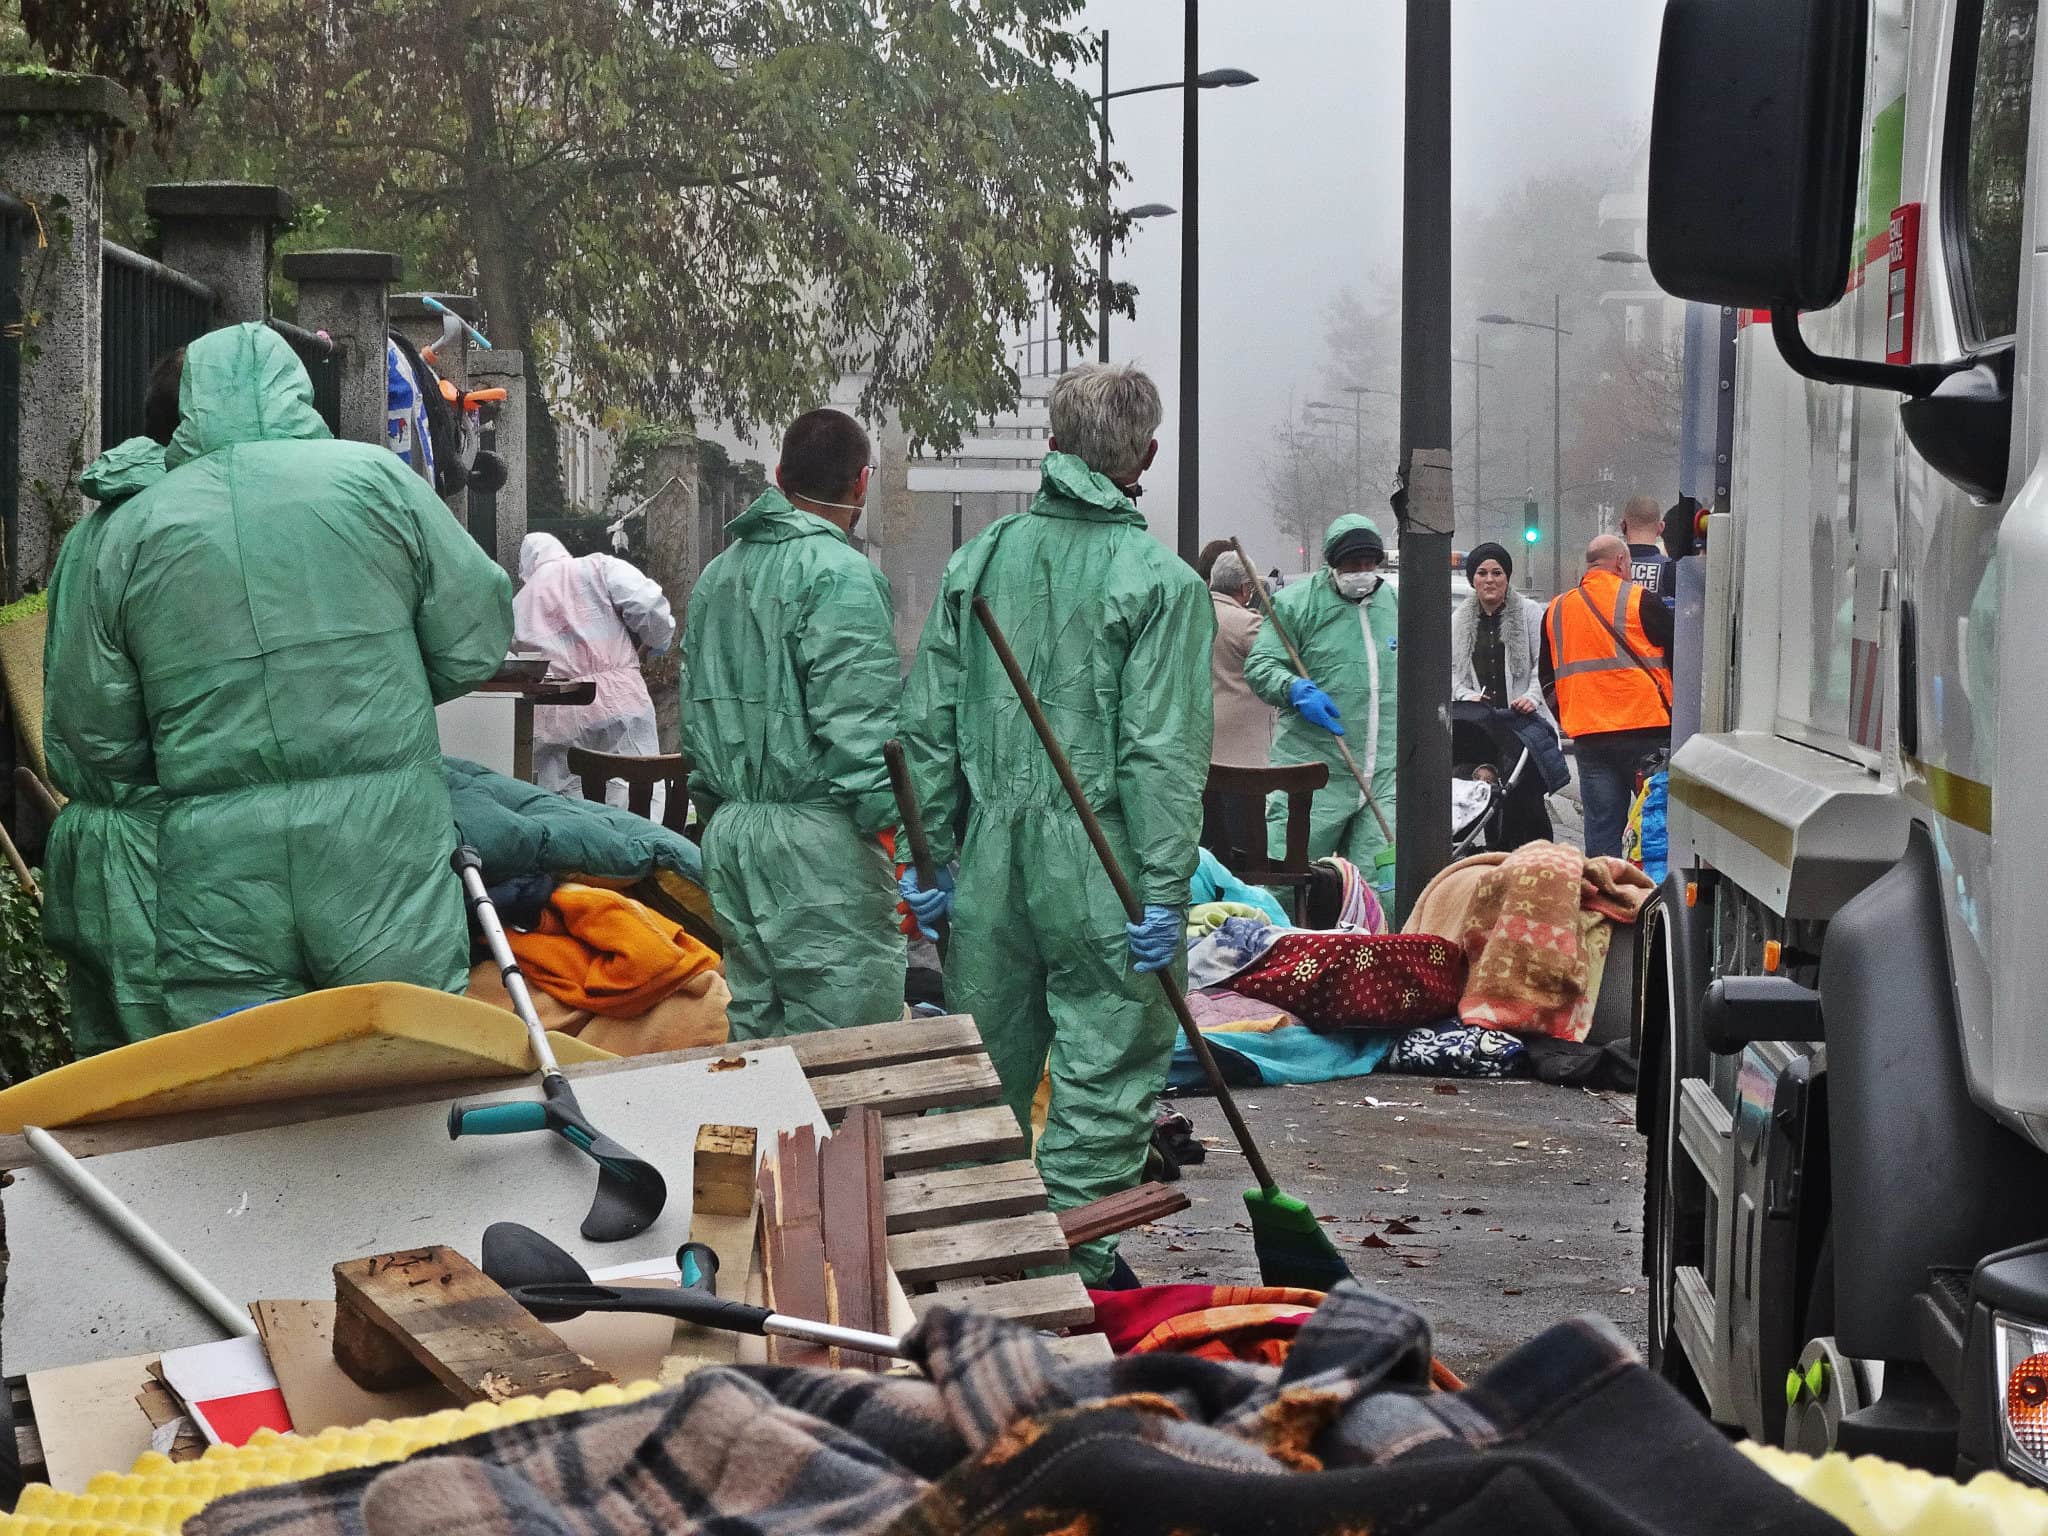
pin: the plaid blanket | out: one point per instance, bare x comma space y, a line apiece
1568, 1434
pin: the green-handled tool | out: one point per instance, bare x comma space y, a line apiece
1292, 1247
630, 1190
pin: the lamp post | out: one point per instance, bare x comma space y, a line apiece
1209, 80
1557, 336
1478, 441
1357, 410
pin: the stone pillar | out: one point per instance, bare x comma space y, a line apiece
504, 368
344, 294
221, 233
675, 561
420, 325
54, 134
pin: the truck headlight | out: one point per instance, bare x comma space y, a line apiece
2020, 1352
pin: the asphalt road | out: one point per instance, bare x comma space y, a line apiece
1525, 1201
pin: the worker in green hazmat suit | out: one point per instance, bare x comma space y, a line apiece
274, 621
789, 688
1114, 634
1345, 621
99, 868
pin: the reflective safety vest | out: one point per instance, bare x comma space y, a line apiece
1600, 687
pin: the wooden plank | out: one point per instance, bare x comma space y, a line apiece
969, 1136
1044, 1301
793, 1242
1121, 1211
821, 1055
850, 1185
957, 1082
722, 1171
942, 1196
448, 1317
1005, 1246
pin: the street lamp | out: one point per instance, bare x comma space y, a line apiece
1357, 410
1623, 258
1557, 336
1191, 82
1208, 80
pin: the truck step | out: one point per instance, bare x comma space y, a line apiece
1941, 1322
1692, 1318
1704, 1127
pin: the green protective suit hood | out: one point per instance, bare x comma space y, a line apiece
257, 640
99, 866
243, 384
1350, 522
1114, 633
1351, 649
789, 683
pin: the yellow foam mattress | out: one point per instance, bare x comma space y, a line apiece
347, 1040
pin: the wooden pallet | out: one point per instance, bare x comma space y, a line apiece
966, 1212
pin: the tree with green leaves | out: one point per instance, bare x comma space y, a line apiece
688, 212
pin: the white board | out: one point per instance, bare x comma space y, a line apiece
929, 477
266, 1215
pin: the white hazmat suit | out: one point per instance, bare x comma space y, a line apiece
588, 616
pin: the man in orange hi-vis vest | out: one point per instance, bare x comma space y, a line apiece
1605, 645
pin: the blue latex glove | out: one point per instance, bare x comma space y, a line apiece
1155, 941
929, 907
1314, 705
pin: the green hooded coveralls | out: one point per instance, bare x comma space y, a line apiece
788, 687
99, 868
1114, 634
277, 618
1350, 651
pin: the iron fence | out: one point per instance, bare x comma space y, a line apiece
17, 226
323, 365
146, 310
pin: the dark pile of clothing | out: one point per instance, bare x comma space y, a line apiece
1567, 1434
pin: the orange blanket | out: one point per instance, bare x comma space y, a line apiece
606, 953
1534, 925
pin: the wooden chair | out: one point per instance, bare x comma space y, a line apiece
640, 775
1234, 824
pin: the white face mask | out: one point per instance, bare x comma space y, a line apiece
1357, 586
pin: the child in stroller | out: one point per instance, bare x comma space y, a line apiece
1505, 765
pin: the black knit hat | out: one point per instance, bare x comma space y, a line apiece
1355, 541
1479, 554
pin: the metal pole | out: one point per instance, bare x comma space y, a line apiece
1191, 300
1357, 450
1423, 761
1102, 252
1557, 441
1478, 444
956, 519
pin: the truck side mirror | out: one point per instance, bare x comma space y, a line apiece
1753, 150
1755, 143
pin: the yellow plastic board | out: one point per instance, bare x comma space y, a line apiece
347, 1040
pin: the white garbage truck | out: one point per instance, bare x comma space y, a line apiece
1842, 987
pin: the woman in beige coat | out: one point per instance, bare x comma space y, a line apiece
1244, 721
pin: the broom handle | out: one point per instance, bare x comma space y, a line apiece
20, 867
906, 807
1280, 629
1175, 998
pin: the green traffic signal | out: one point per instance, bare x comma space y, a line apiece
1531, 535
1532, 529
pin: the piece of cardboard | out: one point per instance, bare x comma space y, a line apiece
300, 1338
88, 1419
229, 1388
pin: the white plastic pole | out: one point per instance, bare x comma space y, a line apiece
138, 1234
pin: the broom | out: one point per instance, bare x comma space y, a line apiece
1291, 1245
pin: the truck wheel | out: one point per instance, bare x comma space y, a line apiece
1674, 1220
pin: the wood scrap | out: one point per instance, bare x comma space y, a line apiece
793, 1242
722, 1172
163, 1410
856, 1242
431, 1309
1121, 1211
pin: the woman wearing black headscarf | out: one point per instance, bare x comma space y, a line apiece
1496, 635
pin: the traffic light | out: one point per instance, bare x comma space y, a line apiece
1532, 528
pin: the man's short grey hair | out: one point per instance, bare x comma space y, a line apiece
1228, 574
1106, 415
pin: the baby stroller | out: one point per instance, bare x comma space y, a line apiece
1505, 765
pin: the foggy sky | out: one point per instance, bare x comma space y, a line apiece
1301, 184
